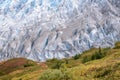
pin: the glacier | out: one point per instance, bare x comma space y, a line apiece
46, 29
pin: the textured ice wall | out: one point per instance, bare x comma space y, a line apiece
45, 29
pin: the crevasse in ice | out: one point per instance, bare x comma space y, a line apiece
46, 29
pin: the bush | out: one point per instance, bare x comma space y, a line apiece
59, 71
66, 61
57, 65
55, 75
117, 45
77, 56
52, 60
106, 71
103, 73
29, 63
54, 63
97, 55
1, 73
86, 59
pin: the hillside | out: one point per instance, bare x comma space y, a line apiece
94, 64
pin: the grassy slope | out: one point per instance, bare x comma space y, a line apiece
103, 68
20, 68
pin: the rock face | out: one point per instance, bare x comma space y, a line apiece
45, 29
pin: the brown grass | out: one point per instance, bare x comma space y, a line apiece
13, 64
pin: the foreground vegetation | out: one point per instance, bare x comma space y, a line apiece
94, 64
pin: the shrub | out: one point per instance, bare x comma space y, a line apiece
104, 71
86, 59
66, 61
29, 63
1, 73
77, 56
52, 60
117, 45
55, 63
55, 75
97, 55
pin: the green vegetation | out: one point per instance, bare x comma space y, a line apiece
94, 64
117, 45
96, 55
55, 63
29, 63
77, 56
55, 75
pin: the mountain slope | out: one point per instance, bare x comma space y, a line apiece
46, 29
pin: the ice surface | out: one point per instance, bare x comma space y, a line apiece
45, 29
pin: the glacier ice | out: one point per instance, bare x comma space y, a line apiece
46, 29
